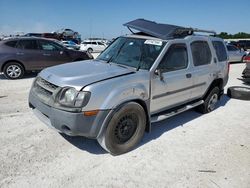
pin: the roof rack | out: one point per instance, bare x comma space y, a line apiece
163, 31
204, 31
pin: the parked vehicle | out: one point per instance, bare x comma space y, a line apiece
235, 54
139, 79
67, 32
71, 45
19, 55
246, 71
92, 46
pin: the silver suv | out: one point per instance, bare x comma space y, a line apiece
142, 78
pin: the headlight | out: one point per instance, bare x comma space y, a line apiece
72, 98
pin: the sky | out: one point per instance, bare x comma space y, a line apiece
104, 18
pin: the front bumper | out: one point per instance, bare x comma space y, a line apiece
70, 123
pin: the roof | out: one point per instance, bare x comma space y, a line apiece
162, 31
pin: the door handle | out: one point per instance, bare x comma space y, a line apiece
47, 54
189, 75
19, 53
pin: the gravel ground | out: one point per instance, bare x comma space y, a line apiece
188, 150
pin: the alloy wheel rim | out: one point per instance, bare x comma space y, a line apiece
13, 71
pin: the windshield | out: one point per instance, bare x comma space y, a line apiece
137, 53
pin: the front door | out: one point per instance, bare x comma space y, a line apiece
172, 84
52, 53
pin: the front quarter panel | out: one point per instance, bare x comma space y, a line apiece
109, 94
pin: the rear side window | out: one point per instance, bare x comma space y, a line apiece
220, 50
201, 53
27, 44
11, 43
176, 58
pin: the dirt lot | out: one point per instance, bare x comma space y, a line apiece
189, 150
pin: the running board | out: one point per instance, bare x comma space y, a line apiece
174, 112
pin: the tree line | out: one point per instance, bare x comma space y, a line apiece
240, 35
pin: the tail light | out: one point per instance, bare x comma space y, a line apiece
246, 59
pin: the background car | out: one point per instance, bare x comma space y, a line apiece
92, 46
235, 54
71, 45
246, 71
30, 54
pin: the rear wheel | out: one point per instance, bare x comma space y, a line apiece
13, 70
210, 101
125, 129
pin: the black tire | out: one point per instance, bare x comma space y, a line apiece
13, 70
239, 92
90, 50
125, 129
210, 101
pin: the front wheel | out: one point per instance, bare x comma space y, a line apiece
13, 70
210, 101
125, 129
90, 50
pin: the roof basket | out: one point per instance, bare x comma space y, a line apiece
163, 31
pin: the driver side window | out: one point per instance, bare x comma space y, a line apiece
176, 58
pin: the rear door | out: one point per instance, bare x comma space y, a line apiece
204, 66
53, 53
174, 85
28, 53
94, 46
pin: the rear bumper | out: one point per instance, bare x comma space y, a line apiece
70, 123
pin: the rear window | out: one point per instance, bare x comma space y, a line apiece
201, 53
220, 50
11, 43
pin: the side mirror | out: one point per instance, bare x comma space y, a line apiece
159, 73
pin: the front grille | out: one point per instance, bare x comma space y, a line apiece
46, 85
44, 89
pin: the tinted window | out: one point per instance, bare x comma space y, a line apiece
232, 48
93, 43
27, 44
201, 53
51, 46
220, 50
176, 58
99, 43
11, 43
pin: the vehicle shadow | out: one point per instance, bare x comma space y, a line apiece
157, 130
86, 144
164, 126
26, 76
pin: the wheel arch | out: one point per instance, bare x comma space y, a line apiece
145, 106
217, 82
16, 61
